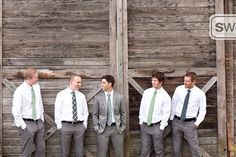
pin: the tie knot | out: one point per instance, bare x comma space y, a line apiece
73, 93
108, 95
189, 90
155, 92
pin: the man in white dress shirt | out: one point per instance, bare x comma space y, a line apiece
154, 113
188, 111
28, 115
71, 115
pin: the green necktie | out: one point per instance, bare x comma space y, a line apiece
33, 104
151, 108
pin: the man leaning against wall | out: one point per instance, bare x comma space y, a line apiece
28, 115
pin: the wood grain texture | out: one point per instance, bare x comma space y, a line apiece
59, 38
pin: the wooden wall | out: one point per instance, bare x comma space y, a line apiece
234, 75
59, 38
171, 36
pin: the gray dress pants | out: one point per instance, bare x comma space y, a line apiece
32, 138
75, 132
187, 130
117, 140
151, 136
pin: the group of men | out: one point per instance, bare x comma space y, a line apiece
186, 110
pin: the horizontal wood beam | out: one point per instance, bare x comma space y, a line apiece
57, 74
172, 72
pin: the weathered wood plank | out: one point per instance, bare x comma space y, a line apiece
51, 16
58, 71
169, 34
125, 72
229, 54
112, 38
137, 50
69, 6
172, 10
9, 85
57, 52
144, 26
119, 46
221, 88
56, 61
169, 3
171, 42
1, 93
59, 23
172, 72
50, 38
65, 45
171, 62
93, 92
209, 84
136, 85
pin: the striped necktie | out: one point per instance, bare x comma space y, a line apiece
109, 110
74, 107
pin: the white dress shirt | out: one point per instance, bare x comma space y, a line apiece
112, 106
63, 107
22, 107
196, 106
162, 107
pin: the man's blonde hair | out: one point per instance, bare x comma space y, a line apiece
29, 72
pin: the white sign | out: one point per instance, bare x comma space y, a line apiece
222, 27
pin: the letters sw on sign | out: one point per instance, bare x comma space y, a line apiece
222, 27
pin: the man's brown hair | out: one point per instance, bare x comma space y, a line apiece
159, 75
192, 75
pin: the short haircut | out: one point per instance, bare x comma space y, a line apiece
29, 72
110, 79
73, 76
192, 75
159, 75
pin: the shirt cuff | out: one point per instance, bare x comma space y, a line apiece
23, 126
59, 126
140, 122
85, 125
196, 123
162, 127
172, 117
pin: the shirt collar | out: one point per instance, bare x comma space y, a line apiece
109, 93
27, 86
70, 90
190, 88
154, 89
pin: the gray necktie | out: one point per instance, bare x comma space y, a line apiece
74, 107
109, 110
185, 106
